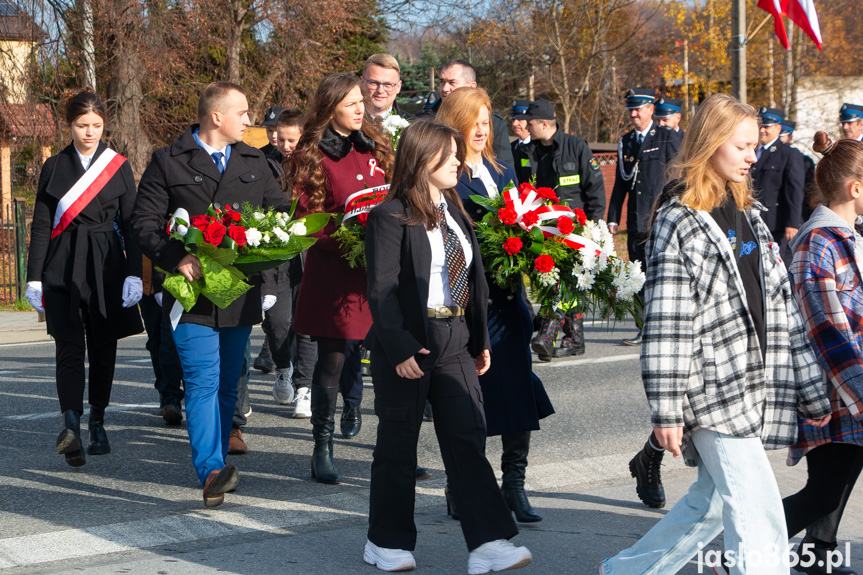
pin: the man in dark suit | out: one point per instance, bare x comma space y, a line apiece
208, 164
643, 154
382, 80
809, 187
457, 74
779, 177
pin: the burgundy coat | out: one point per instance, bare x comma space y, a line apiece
332, 301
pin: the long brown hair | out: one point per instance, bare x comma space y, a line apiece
424, 147
305, 170
842, 163
460, 110
713, 124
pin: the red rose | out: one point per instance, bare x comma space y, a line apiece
201, 222
580, 216
565, 225
214, 233
543, 264
526, 187
547, 193
507, 216
238, 234
512, 246
363, 218
529, 218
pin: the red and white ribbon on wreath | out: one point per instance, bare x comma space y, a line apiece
522, 203
373, 167
363, 201
573, 241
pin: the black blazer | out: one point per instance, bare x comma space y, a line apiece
779, 179
399, 260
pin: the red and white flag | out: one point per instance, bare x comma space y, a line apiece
801, 12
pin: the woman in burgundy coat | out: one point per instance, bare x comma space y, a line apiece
342, 151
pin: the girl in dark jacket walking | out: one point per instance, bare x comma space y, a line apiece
342, 151
78, 269
514, 398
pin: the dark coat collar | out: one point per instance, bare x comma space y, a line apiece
337, 146
69, 167
186, 143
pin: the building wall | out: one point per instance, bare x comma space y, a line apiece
818, 102
14, 57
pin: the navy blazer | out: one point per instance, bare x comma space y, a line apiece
779, 178
468, 186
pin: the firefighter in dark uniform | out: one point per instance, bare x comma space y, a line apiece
809, 187
519, 124
668, 113
851, 118
566, 164
642, 156
778, 177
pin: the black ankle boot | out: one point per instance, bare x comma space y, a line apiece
543, 342
513, 463
573, 339
450, 503
323, 425
821, 553
352, 421
98, 438
69, 440
645, 467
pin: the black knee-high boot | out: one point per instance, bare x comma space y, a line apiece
323, 426
69, 440
98, 438
513, 463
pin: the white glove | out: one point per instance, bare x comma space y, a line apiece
34, 295
267, 301
159, 298
133, 291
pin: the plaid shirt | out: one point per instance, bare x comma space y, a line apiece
701, 362
829, 292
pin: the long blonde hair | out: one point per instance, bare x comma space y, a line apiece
713, 124
460, 110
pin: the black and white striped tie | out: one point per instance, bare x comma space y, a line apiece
456, 266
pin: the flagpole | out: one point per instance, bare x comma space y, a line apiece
737, 49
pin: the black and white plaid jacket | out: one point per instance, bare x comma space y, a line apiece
700, 360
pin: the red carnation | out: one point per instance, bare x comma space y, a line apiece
529, 218
214, 233
363, 218
512, 246
526, 187
565, 225
201, 222
543, 264
238, 234
547, 193
507, 216
580, 216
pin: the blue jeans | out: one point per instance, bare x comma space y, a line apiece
212, 360
735, 491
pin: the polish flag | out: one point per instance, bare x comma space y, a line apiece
774, 7
801, 12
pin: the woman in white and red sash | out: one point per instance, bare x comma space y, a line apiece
78, 271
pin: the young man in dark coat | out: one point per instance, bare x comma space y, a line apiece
208, 164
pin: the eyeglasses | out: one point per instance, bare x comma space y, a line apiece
387, 86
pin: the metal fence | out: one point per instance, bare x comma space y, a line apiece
13, 251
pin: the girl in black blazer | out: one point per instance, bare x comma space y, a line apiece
430, 341
80, 270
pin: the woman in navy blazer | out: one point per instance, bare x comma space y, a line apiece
514, 397
429, 340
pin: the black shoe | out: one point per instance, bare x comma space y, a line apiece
98, 438
572, 342
821, 554
450, 504
516, 500
69, 440
634, 340
264, 364
323, 466
428, 414
352, 421
645, 467
543, 342
568, 347
423, 473
172, 413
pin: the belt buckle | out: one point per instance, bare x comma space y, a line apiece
443, 312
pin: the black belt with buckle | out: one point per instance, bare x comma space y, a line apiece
445, 311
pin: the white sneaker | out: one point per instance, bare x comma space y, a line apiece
388, 559
500, 555
283, 391
303, 404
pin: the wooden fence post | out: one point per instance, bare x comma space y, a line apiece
20, 245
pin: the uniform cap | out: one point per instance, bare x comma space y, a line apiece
850, 112
639, 97
666, 107
271, 115
519, 108
770, 116
788, 127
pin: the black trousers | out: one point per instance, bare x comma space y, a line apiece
163, 354
70, 373
351, 379
833, 470
451, 385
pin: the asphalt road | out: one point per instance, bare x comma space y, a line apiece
139, 509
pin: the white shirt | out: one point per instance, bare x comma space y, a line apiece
480, 171
439, 293
85, 160
644, 133
525, 141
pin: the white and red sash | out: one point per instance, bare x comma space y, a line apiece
85, 189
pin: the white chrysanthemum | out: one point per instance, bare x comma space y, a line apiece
588, 258
394, 123
585, 280
549, 279
299, 228
281, 234
254, 236
259, 216
602, 262
577, 268
266, 238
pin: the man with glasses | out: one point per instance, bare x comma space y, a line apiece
381, 79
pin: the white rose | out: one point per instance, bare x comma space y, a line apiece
266, 238
281, 234
258, 216
299, 228
253, 236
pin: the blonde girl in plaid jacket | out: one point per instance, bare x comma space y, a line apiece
725, 361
